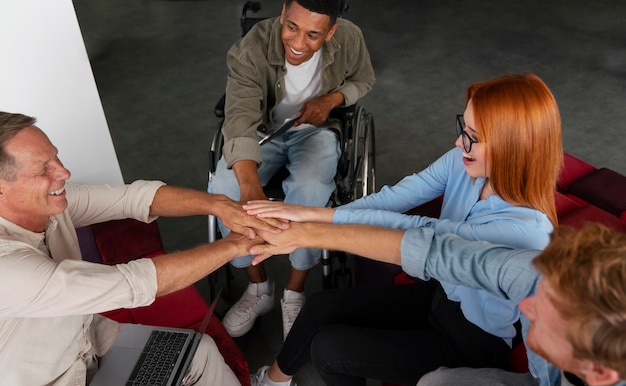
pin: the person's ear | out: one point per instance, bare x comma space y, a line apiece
330, 33
282, 14
598, 375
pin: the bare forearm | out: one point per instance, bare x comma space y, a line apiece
248, 178
321, 215
335, 98
172, 201
316, 110
178, 270
373, 242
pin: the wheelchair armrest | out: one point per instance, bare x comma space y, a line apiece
218, 110
215, 152
343, 112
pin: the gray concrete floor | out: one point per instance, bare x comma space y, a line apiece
159, 67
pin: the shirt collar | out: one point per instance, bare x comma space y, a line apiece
10, 230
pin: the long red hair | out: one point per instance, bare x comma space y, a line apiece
520, 127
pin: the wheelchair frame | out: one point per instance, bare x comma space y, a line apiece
354, 179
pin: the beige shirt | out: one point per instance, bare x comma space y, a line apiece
48, 295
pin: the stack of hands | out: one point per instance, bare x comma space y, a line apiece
275, 227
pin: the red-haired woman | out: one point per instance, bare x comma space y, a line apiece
498, 185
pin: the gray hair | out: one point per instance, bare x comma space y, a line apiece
10, 126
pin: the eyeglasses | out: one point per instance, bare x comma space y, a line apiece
465, 138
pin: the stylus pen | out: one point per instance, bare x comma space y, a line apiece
281, 130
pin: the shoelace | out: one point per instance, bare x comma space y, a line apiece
248, 302
256, 379
290, 311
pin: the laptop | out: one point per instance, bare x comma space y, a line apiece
151, 355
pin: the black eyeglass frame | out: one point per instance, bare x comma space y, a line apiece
465, 138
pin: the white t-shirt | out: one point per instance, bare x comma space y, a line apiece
302, 83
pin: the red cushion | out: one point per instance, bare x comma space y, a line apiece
579, 217
603, 188
403, 278
518, 361
121, 315
567, 203
573, 169
184, 308
120, 241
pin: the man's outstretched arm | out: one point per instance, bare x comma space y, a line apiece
172, 201
180, 269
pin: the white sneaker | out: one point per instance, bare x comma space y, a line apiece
260, 379
241, 316
290, 304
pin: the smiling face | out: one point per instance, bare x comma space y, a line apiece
303, 32
548, 337
38, 190
547, 333
476, 163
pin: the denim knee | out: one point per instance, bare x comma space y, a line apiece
241, 262
305, 258
224, 181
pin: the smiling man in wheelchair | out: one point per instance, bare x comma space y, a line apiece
292, 69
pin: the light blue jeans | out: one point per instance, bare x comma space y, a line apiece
311, 156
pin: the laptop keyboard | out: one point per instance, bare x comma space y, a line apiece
156, 363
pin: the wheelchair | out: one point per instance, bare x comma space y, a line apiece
355, 176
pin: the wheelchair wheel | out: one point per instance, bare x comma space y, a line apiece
362, 162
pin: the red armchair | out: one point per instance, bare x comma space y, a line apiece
586, 193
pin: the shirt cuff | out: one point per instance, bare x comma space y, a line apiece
141, 275
139, 203
341, 216
414, 250
242, 148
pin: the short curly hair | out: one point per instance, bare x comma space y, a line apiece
587, 269
323, 7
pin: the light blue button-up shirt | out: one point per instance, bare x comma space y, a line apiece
502, 271
464, 214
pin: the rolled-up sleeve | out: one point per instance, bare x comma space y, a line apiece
89, 204
414, 250
504, 271
39, 287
